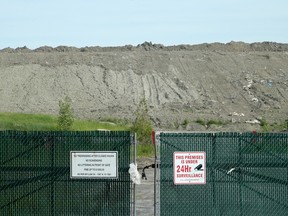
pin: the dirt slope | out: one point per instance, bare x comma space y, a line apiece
234, 82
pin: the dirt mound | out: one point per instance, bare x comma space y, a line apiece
148, 46
236, 83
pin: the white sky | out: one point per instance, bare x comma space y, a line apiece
80, 23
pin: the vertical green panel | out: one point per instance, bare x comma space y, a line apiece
184, 199
247, 174
35, 174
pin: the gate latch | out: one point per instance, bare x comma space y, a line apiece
147, 167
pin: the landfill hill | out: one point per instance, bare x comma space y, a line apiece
236, 84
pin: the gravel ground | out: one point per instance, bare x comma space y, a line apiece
145, 195
145, 191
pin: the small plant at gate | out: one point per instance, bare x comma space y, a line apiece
142, 125
66, 115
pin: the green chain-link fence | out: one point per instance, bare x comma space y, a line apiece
246, 174
35, 174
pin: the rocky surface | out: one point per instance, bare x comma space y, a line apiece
236, 83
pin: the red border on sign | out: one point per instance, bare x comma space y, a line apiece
174, 168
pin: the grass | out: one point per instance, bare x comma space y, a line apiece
114, 120
43, 122
144, 150
27, 122
86, 125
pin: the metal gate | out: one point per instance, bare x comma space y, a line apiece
35, 174
246, 174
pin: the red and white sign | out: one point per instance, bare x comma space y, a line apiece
189, 167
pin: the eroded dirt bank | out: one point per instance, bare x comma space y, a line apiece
234, 82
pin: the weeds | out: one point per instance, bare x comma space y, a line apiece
215, 122
273, 127
210, 122
185, 123
201, 122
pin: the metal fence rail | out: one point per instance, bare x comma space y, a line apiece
35, 174
246, 174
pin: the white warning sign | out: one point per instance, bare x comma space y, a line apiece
94, 164
189, 167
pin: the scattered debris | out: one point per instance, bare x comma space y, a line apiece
269, 83
236, 114
100, 129
134, 174
255, 121
248, 86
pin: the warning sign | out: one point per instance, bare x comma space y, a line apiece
189, 167
94, 164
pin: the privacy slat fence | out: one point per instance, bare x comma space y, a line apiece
35, 174
246, 174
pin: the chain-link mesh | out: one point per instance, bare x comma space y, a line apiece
35, 174
246, 174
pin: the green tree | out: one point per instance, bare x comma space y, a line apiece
66, 115
142, 124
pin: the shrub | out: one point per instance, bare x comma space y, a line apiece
142, 125
66, 115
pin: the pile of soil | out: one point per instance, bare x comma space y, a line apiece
238, 85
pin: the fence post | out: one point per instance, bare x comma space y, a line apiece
155, 140
52, 178
240, 178
213, 169
134, 191
157, 173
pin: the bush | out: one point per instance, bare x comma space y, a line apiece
66, 115
142, 125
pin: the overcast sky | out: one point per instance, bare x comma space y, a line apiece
80, 23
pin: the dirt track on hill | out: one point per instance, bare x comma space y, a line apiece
234, 82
